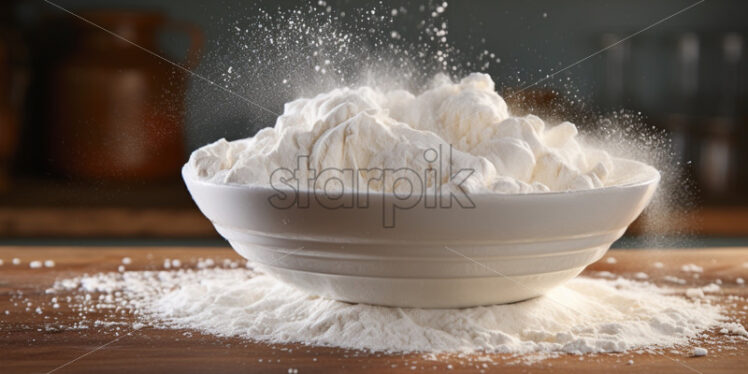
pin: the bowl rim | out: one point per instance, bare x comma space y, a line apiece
653, 177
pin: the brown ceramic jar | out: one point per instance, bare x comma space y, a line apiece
116, 111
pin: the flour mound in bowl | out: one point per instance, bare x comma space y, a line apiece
452, 126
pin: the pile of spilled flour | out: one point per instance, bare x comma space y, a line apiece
583, 316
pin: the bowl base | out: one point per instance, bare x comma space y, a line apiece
422, 292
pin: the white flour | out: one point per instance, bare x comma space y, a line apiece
366, 130
606, 315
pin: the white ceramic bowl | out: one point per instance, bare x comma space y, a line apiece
507, 248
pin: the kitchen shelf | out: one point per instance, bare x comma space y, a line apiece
54, 208
705, 221
49, 208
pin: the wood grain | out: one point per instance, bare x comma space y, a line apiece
30, 343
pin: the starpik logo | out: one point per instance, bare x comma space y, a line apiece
347, 188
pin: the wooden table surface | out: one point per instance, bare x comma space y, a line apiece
29, 343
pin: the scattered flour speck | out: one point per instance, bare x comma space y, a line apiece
691, 268
699, 352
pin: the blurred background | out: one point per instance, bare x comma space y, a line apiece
93, 131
